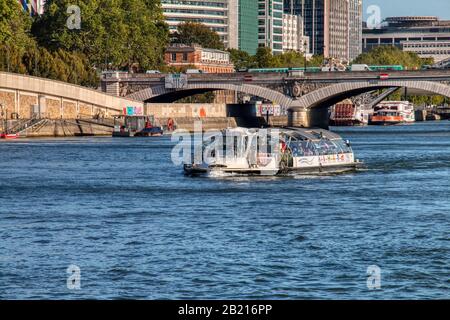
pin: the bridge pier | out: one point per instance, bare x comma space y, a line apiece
308, 117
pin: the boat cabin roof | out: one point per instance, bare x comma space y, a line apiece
313, 134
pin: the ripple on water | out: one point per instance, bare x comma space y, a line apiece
138, 228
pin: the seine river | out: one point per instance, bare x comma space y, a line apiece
121, 212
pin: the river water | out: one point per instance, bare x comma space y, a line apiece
120, 211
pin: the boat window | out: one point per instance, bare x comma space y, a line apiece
303, 148
326, 147
342, 146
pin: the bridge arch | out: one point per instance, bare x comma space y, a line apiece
328, 96
161, 94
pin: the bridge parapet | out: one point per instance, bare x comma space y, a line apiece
19, 94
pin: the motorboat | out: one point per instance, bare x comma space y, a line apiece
8, 136
136, 126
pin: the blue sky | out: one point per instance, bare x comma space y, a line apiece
440, 8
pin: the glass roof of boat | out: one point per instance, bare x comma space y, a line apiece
314, 134
311, 134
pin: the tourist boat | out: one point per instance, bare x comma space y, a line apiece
348, 114
274, 151
393, 112
136, 126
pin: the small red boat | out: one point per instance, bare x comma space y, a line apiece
8, 136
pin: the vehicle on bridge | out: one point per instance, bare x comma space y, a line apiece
274, 151
351, 68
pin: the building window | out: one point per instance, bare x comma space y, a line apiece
185, 56
174, 57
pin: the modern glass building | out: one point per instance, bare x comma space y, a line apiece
270, 25
248, 26
333, 26
236, 21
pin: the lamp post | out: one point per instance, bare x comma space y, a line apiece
305, 46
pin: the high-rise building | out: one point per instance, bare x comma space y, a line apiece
270, 25
219, 15
293, 36
333, 26
248, 26
355, 28
236, 21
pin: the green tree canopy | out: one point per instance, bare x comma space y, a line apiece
14, 24
241, 59
20, 53
265, 59
390, 55
114, 33
192, 32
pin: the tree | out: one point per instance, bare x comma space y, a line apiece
390, 55
114, 33
265, 59
291, 59
14, 24
20, 53
189, 33
241, 59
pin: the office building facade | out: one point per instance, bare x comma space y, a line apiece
334, 27
248, 26
293, 36
236, 21
270, 25
219, 15
427, 36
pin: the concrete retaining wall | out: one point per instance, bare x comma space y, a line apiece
181, 110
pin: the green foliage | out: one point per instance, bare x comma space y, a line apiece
389, 55
421, 100
14, 24
192, 32
207, 97
116, 34
241, 59
20, 53
265, 59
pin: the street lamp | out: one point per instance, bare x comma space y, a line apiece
305, 46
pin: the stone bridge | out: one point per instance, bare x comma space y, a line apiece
20, 94
307, 97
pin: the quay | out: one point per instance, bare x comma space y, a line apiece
36, 107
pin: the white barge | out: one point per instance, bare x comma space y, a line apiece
274, 151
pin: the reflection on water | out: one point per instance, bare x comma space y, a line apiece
138, 228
